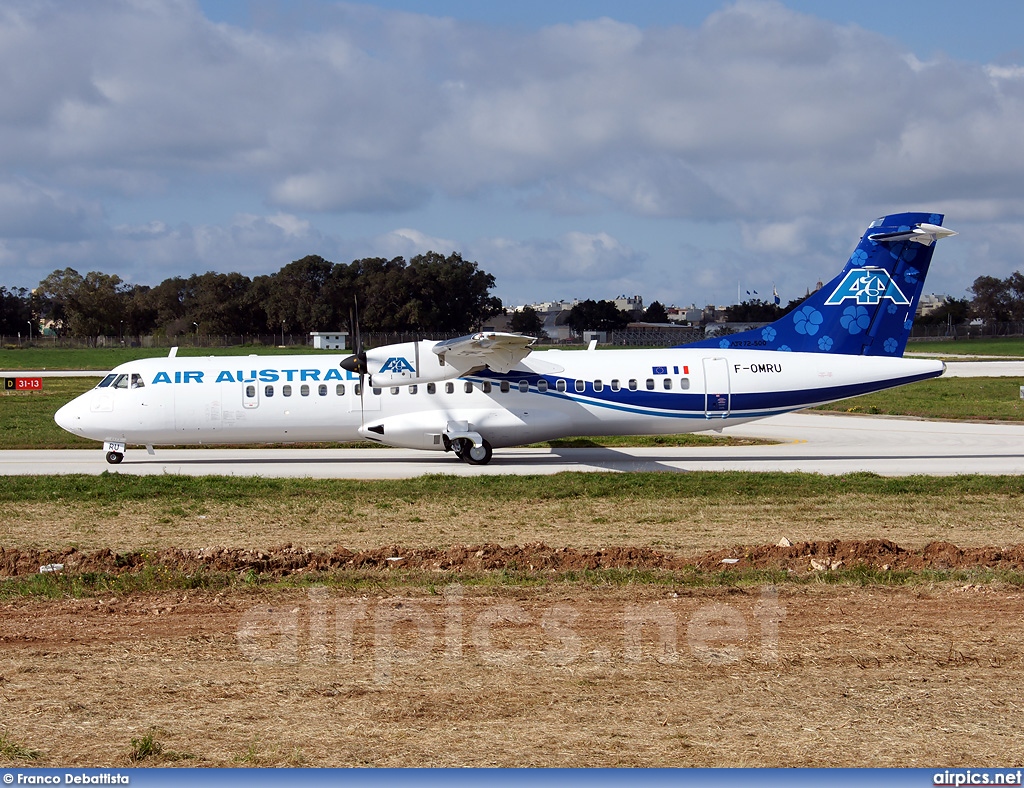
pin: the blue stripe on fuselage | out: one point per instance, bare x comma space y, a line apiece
690, 405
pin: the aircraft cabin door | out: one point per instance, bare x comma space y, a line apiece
717, 393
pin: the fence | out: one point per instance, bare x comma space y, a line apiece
967, 331
629, 338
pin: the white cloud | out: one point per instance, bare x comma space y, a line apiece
762, 118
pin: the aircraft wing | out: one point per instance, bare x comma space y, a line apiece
496, 350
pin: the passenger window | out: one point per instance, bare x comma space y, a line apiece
322, 390
580, 385
356, 389
286, 390
524, 386
542, 385
598, 385
304, 390
137, 381
667, 383
250, 391
106, 381
449, 388
504, 387
339, 390
615, 385
650, 384
413, 389
376, 391
684, 383
467, 387
431, 388
632, 384
560, 384
486, 386
394, 389
268, 391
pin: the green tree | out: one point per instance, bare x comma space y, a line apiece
16, 312
755, 311
656, 313
447, 294
527, 321
87, 306
953, 311
593, 315
301, 296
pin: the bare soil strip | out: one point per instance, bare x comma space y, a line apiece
877, 554
564, 676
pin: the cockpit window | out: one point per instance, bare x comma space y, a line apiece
121, 382
137, 382
106, 381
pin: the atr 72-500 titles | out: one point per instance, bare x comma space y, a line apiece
489, 390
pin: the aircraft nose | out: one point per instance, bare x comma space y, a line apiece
69, 417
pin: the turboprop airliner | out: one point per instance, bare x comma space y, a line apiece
491, 390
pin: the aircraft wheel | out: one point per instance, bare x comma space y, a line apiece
114, 457
459, 447
479, 455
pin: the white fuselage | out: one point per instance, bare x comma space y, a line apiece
550, 394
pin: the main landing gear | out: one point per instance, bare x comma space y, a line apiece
466, 450
114, 457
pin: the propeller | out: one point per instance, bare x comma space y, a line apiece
357, 361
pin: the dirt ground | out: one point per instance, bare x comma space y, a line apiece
478, 674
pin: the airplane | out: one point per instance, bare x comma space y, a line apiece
490, 390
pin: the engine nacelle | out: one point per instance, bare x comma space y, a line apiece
411, 362
429, 362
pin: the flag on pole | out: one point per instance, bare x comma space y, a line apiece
775, 295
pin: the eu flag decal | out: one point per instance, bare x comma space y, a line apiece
659, 370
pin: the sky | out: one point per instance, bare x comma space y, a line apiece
682, 151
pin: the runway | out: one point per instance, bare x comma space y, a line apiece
811, 442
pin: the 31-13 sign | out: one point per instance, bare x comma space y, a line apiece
23, 384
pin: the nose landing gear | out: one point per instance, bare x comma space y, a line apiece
115, 452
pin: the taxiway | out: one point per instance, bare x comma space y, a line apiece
811, 442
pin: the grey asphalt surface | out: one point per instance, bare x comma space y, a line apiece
811, 442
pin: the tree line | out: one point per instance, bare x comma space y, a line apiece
428, 293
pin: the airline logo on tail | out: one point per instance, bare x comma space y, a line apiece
868, 287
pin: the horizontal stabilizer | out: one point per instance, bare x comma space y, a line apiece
922, 233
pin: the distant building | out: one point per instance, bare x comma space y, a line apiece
632, 304
329, 340
930, 303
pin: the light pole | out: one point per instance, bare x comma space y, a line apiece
197, 334
29, 330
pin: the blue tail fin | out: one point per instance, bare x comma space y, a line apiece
868, 309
